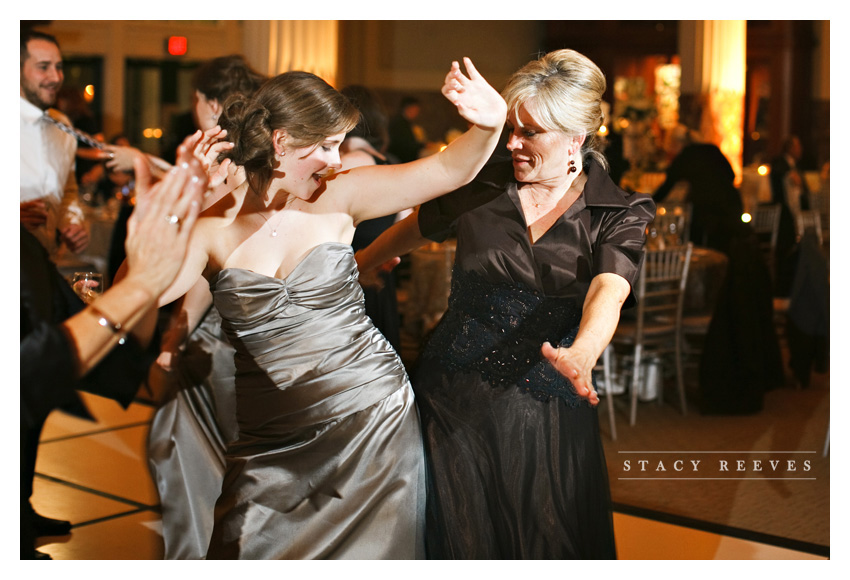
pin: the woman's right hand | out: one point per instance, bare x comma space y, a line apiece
159, 229
207, 146
475, 99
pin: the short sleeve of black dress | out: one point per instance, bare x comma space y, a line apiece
619, 221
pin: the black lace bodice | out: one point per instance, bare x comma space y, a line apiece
497, 329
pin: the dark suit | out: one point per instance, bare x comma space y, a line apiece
787, 238
48, 364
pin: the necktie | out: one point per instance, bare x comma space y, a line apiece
76, 133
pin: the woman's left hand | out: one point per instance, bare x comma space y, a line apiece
575, 365
475, 99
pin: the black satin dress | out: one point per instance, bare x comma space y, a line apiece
515, 461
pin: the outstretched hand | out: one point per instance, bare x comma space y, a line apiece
575, 366
475, 99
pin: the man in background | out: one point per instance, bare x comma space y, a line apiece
49, 206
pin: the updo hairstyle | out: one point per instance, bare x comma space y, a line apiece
563, 91
226, 75
300, 103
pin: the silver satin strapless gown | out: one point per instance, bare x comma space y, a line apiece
328, 459
187, 440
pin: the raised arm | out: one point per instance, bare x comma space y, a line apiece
599, 319
382, 190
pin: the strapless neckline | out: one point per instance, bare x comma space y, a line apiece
307, 255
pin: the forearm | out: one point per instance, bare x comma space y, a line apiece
128, 304
464, 157
400, 239
601, 314
186, 316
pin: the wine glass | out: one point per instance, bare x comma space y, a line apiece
87, 285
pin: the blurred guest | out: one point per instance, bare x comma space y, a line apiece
789, 189
366, 144
404, 142
67, 345
49, 205
715, 201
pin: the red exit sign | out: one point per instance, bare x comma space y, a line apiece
177, 45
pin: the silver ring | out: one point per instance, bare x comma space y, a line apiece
172, 219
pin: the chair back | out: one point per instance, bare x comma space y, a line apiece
810, 220
657, 329
766, 225
671, 226
661, 292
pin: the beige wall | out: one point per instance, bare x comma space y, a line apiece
414, 55
820, 66
118, 40
395, 57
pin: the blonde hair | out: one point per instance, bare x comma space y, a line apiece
563, 91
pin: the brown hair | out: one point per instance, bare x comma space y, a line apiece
28, 34
226, 75
300, 103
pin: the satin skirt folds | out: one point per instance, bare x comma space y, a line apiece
188, 437
349, 488
509, 476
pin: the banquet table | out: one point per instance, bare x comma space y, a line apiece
706, 275
429, 287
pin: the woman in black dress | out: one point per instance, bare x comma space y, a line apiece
547, 249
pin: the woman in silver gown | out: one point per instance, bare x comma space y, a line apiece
547, 249
327, 461
197, 416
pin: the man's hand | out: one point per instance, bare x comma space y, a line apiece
33, 213
76, 237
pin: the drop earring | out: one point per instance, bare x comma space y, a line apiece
572, 168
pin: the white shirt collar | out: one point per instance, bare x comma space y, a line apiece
30, 112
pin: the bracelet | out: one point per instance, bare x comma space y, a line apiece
106, 322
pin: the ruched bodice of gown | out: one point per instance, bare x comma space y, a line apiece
327, 462
305, 351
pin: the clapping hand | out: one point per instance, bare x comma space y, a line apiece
159, 229
475, 99
575, 366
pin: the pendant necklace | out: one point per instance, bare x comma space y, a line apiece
274, 229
